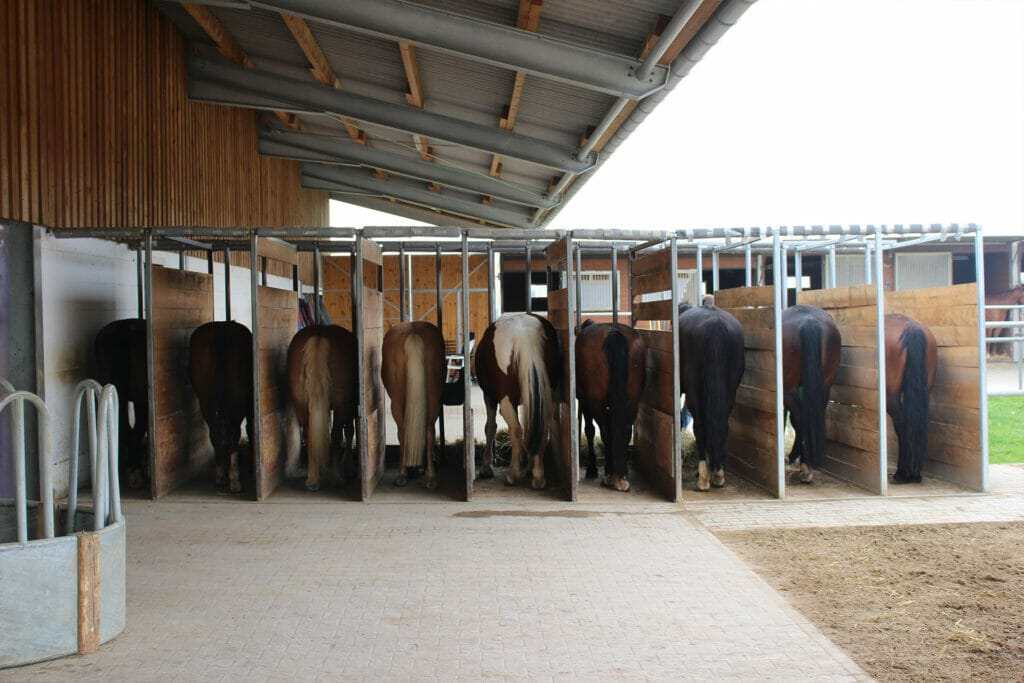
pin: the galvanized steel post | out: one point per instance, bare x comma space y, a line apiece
778, 256
714, 270
615, 284
746, 266
151, 366
677, 462
979, 275
575, 279
227, 280
467, 405
402, 313
529, 279
883, 456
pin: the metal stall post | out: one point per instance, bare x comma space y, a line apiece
317, 283
490, 283
798, 271
140, 279
573, 300
181, 259
759, 280
615, 284
778, 256
255, 430
867, 263
227, 282
782, 273
883, 443
468, 442
714, 271
529, 279
979, 274
440, 325
362, 428
150, 365
700, 276
832, 266
575, 279
403, 314
209, 261
677, 461
746, 266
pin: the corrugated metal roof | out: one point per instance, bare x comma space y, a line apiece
590, 50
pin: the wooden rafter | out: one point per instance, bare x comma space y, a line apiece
527, 19
415, 98
320, 67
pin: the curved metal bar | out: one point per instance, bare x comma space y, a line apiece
104, 460
18, 399
85, 391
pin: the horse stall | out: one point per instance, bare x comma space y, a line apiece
654, 299
562, 313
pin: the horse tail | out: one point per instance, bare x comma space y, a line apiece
221, 384
915, 396
534, 392
414, 425
616, 351
812, 383
714, 397
317, 381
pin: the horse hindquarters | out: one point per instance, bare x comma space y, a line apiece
812, 398
913, 441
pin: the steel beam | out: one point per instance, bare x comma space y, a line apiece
482, 41
328, 150
222, 83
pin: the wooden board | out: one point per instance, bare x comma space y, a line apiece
182, 301
652, 449
277, 325
744, 297
567, 439
372, 331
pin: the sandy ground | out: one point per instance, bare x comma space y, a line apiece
911, 603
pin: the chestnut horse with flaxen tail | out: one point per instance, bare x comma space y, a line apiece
811, 348
911, 356
413, 370
323, 378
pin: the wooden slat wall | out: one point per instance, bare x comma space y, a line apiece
182, 301
851, 419
96, 129
752, 426
276, 327
954, 427
653, 442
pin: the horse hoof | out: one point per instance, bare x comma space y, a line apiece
400, 480
509, 481
900, 478
486, 473
431, 483
807, 477
312, 487
538, 483
718, 479
703, 487
236, 488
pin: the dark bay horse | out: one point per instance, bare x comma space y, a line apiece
518, 363
413, 371
910, 363
220, 367
1013, 296
323, 376
611, 370
120, 349
811, 347
711, 365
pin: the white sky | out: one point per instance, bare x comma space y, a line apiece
826, 111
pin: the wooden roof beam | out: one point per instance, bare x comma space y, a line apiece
319, 67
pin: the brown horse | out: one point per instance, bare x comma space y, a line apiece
220, 367
1011, 297
910, 361
517, 363
323, 376
611, 370
811, 347
120, 349
711, 365
413, 371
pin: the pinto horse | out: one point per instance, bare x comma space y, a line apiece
220, 367
517, 363
611, 370
811, 347
1013, 296
120, 349
711, 365
910, 362
413, 370
323, 376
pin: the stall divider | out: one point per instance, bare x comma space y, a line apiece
562, 315
368, 305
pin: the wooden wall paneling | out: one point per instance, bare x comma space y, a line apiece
372, 329
276, 328
182, 301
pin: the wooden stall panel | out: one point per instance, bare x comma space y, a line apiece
276, 328
182, 301
851, 418
954, 426
372, 331
751, 446
564, 453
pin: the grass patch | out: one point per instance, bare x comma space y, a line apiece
1005, 429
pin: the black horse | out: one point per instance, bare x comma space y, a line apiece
120, 349
711, 364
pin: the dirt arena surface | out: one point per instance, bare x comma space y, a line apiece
907, 603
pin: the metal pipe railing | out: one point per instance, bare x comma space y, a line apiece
17, 400
103, 422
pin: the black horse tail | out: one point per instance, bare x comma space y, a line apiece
616, 351
915, 397
714, 397
221, 383
813, 399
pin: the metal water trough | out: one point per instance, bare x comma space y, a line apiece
62, 595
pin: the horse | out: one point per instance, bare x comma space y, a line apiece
220, 368
811, 347
611, 370
323, 376
120, 350
910, 362
413, 370
711, 365
1010, 297
518, 363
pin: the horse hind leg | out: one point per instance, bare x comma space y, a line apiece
429, 442
515, 432
486, 468
588, 428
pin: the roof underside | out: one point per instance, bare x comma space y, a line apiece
447, 111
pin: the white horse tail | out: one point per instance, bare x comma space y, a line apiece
414, 426
317, 380
534, 390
